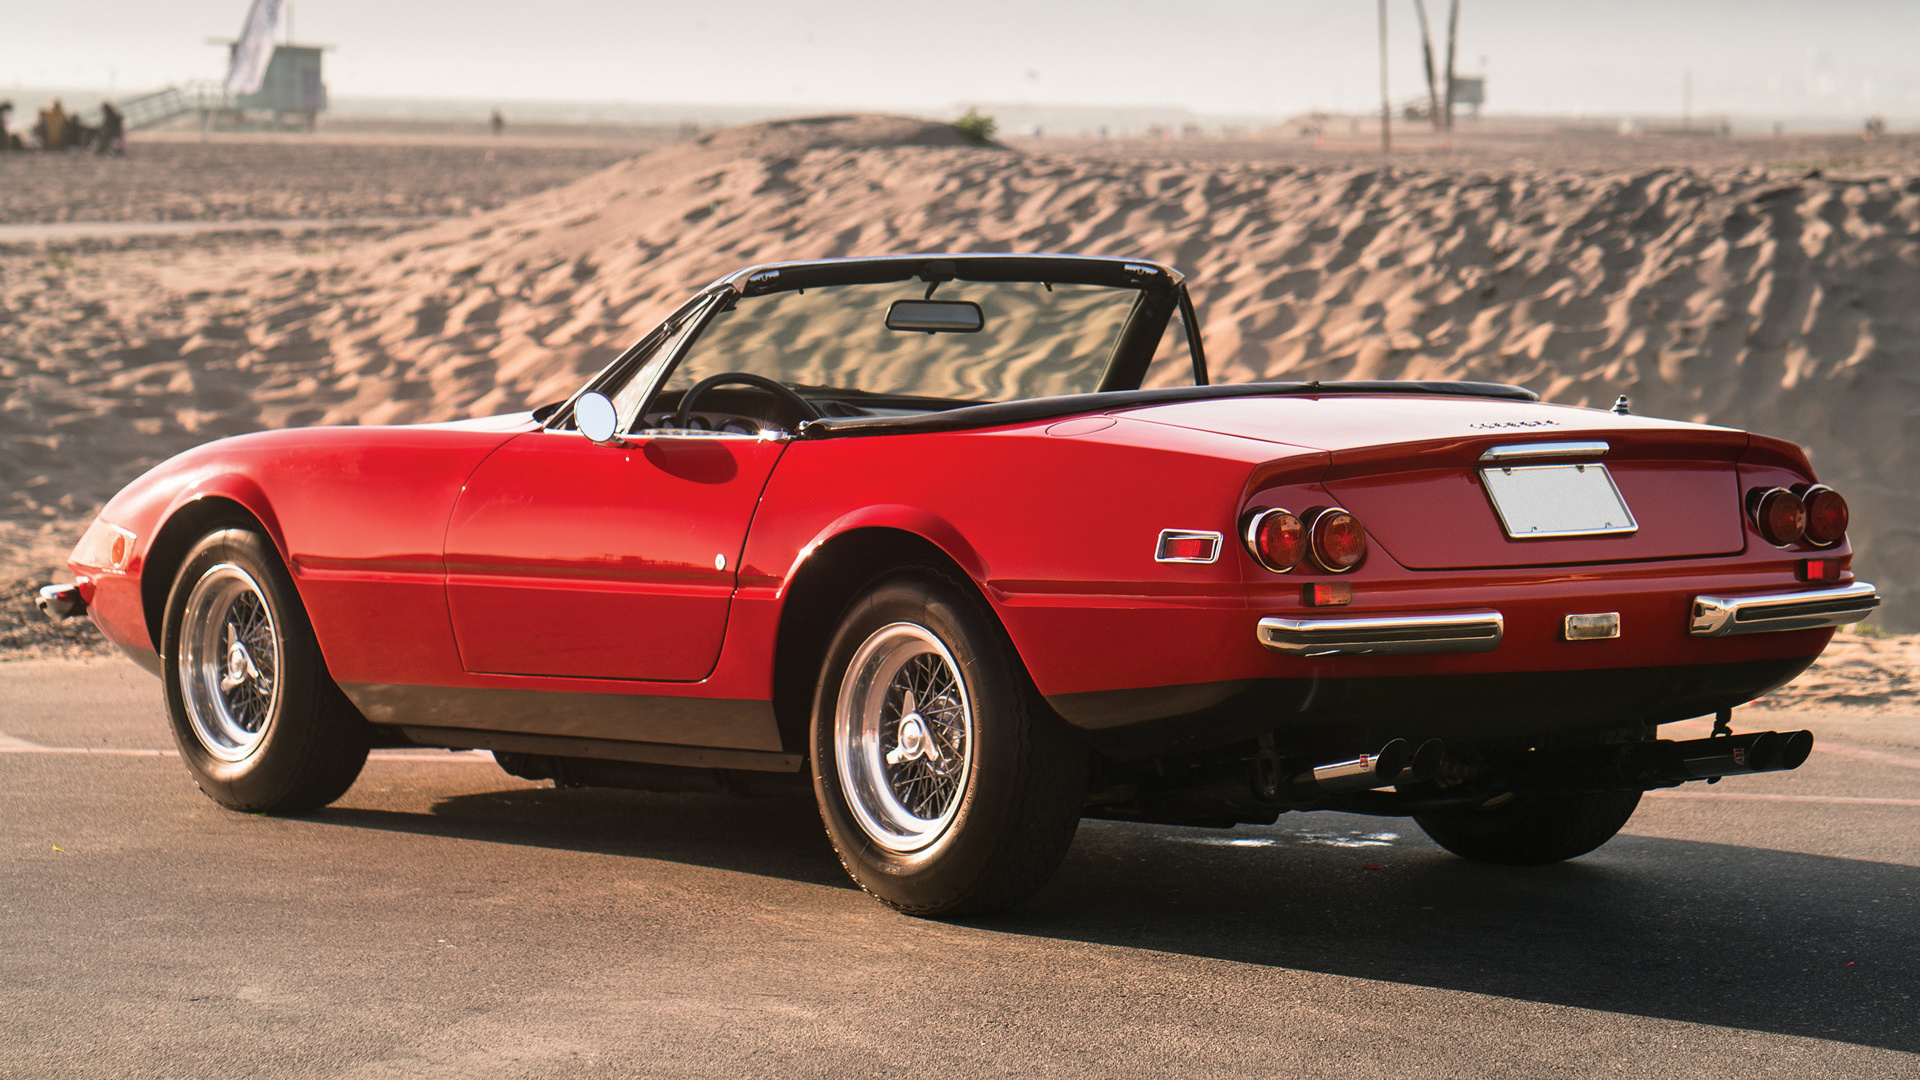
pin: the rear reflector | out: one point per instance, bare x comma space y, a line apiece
1822, 569
1277, 539
1326, 593
1826, 516
1188, 546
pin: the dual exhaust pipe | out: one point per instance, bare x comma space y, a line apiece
1397, 762
1636, 766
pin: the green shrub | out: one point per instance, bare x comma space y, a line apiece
976, 128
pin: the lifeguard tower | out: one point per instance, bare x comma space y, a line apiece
292, 90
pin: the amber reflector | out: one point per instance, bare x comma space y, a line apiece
1338, 540
1781, 517
1278, 540
1826, 516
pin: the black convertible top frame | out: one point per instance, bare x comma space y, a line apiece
876, 270
1163, 291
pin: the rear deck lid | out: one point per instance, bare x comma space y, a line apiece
1464, 483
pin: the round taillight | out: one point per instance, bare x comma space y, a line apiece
1826, 516
1277, 539
1780, 516
1339, 543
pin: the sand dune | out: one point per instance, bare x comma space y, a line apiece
1756, 298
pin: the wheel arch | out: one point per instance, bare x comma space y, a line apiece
228, 502
831, 573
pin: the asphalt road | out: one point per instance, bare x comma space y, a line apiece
445, 919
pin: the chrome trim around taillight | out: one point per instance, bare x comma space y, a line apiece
1529, 451
1160, 549
1313, 539
1808, 609
1806, 493
1251, 534
1389, 635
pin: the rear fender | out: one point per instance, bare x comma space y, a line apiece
925, 524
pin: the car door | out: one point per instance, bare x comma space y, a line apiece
567, 558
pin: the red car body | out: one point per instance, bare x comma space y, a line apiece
507, 583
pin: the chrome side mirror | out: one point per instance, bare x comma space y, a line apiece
594, 415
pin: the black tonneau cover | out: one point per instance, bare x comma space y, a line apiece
1000, 413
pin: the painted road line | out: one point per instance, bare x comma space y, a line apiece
10, 744
1750, 796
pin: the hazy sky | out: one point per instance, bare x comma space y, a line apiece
1836, 58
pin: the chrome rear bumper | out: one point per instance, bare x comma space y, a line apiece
1392, 635
1718, 616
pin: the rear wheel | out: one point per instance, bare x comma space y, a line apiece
1532, 827
258, 721
946, 785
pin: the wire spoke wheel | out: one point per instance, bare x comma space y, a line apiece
903, 737
229, 662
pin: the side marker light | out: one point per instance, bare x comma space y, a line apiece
1187, 546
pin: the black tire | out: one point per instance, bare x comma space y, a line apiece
995, 780
1532, 828
282, 738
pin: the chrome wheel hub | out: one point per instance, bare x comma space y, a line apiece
903, 738
229, 663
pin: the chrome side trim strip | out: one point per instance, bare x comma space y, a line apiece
1719, 616
1522, 451
1393, 635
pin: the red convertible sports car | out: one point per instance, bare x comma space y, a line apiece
970, 543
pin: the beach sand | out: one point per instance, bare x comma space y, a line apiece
1769, 288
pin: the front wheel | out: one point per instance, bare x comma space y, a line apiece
258, 720
1532, 827
946, 785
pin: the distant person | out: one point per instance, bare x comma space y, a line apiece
112, 137
1875, 127
497, 122
51, 131
7, 141
78, 135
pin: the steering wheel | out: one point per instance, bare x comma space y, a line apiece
742, 378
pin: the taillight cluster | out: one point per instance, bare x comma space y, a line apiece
1331, 538
1812, 514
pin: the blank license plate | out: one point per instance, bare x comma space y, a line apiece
1540, 501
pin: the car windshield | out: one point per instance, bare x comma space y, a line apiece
1034, 339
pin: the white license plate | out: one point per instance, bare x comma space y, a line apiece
1540, 501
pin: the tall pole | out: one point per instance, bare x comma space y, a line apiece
1426, 52
1386, 107
1453, 41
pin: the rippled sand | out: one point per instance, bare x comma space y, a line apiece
1760, 297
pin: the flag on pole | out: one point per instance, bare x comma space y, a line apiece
255, 48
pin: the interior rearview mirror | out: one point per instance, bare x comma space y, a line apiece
594, 415
936, 316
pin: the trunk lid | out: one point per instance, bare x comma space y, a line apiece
1411, 469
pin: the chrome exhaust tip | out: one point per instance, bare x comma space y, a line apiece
60, 602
